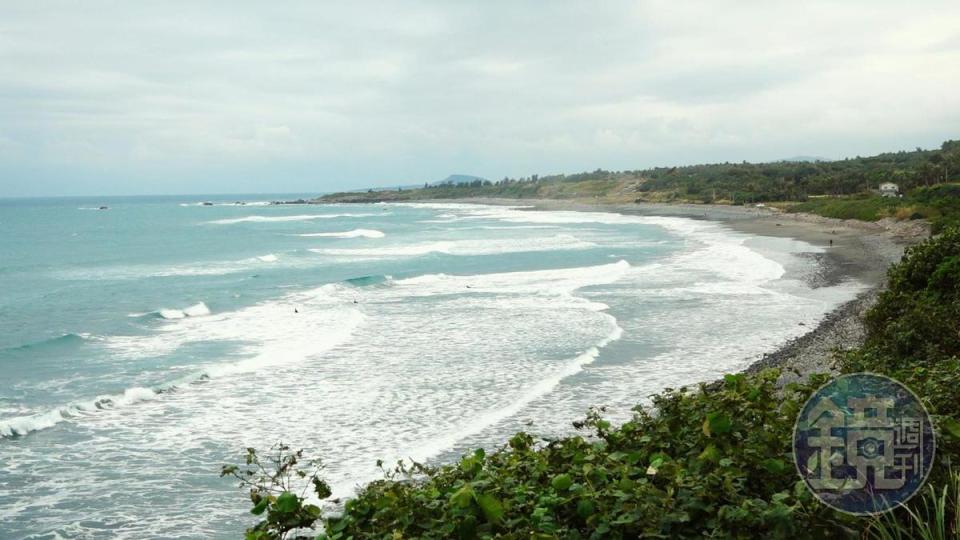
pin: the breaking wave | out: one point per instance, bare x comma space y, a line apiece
279, 219
355, 233
22, 425
197, 310
463, 247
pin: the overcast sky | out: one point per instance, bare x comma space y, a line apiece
212, 97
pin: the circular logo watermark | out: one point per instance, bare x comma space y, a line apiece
863, 443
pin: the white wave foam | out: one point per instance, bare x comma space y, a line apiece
19, 426
535, 391
453, 206
463, 247
527, 214
197, 310
22, 425
512, 227
715, 251
355, 233
719, 256
208, 268
276, 219
286, 326
276, 335
215, 268
558, 281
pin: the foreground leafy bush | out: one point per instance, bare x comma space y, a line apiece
914, 336
917, 319
711, 461
273, 491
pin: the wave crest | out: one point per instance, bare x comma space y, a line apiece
23, 425
280, 219
355, 233
197, 310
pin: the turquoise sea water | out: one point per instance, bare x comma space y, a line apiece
143, 346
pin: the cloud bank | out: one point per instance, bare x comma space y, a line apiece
171, 97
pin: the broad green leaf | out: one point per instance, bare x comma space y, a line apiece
774, 466
951, 426
655, 466
467, 464
561, 482
585, 508
260, 506
287, 502
716, 423
492, 509
710, 453
463, 496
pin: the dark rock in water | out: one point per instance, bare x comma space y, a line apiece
207, 203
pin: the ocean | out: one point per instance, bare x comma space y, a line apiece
145, 345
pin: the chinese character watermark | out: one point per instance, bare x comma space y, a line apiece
864, 443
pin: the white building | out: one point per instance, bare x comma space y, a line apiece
889, 189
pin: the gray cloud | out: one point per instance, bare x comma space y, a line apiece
155, 97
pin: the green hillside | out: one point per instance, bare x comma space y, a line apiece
842, 189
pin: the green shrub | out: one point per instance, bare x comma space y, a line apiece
273, 491
712, 461
916, 318
913, 335
863, 208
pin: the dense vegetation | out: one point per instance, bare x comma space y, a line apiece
843, 189
710, 461
939, 204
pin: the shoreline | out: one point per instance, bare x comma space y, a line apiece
856, 250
